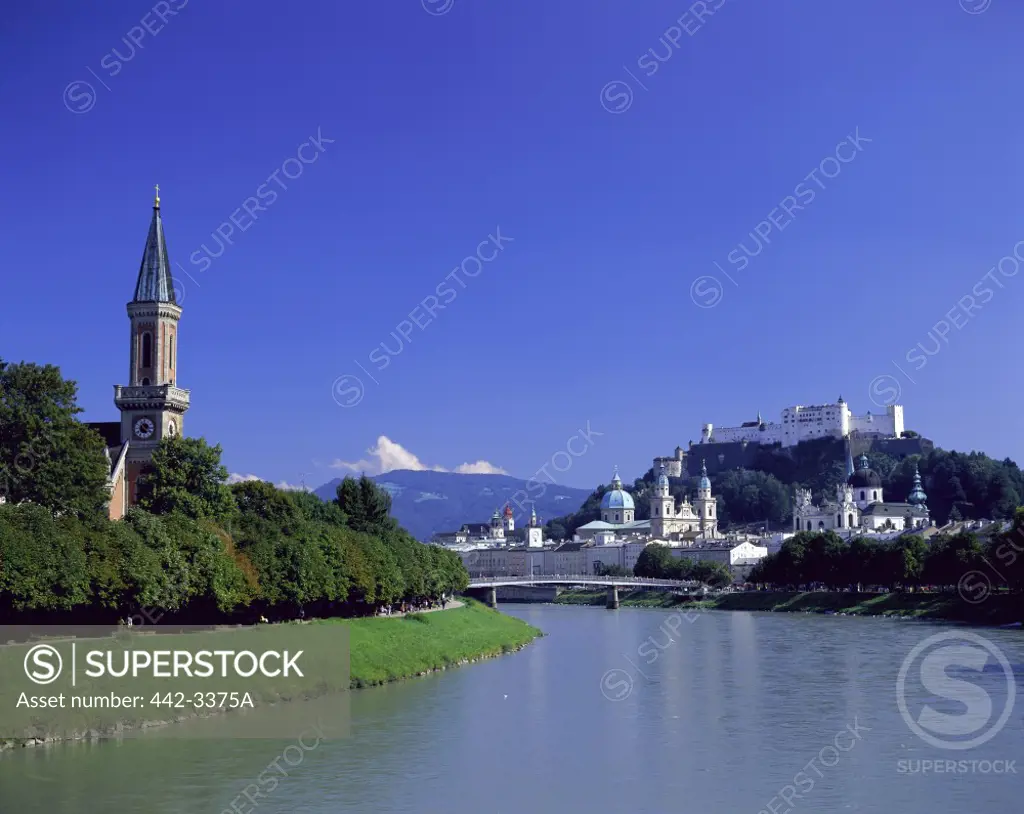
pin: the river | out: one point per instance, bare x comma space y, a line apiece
613, 711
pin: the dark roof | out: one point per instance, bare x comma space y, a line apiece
893, 510
865, 478
569, 547
477, 528
155, 283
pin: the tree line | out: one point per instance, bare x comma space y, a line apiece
195, 549
657, 561
965, 561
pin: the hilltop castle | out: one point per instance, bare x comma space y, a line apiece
806, 423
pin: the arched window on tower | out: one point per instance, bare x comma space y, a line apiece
147, 350
850, 518
862, 495
170, 357
808, 525
874, 495
839, 521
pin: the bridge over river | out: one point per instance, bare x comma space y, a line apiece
491, 584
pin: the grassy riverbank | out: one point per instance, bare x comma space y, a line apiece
379, 650
384, 650
997, 609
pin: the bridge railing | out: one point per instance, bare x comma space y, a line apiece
581, 578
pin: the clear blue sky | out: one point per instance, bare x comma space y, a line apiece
446, 126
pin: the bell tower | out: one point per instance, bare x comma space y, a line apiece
706, 504
152, 405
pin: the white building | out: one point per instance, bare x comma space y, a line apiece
672, 523
806, 423
860, 506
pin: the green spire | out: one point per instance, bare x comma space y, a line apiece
155, 283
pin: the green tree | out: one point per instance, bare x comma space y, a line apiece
47, 456
42, 561
366, 506
603, 570
654, 561
715, 574
187, 476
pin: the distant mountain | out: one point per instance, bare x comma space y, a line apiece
427, 502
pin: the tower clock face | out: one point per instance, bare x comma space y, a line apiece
144, 428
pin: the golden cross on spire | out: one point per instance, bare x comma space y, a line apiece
156, 203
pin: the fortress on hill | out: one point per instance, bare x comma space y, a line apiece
732, 447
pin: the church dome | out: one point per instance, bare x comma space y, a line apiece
617, 497
917, 496
865, 477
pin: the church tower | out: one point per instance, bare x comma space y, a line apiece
152, 405
705, 504
662, 502
534, 532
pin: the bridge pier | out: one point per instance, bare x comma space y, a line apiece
612, 602
492, 598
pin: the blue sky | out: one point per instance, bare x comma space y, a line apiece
402, 137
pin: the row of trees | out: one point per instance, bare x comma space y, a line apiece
657, 561
195, 549
962, 561
271, 553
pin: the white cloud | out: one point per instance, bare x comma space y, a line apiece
291, 487
234, 477
389, 455
480, 468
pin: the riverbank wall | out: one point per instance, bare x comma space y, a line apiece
996, 609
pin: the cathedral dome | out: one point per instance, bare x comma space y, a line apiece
617, 497
865, 477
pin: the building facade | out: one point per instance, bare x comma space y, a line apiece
860, 506
670, 522
675, 466
808, 422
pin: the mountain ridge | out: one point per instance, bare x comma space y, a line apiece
427, 501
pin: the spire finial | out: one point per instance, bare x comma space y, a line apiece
156, 200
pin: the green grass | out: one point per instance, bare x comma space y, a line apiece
384, 650
997, 609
